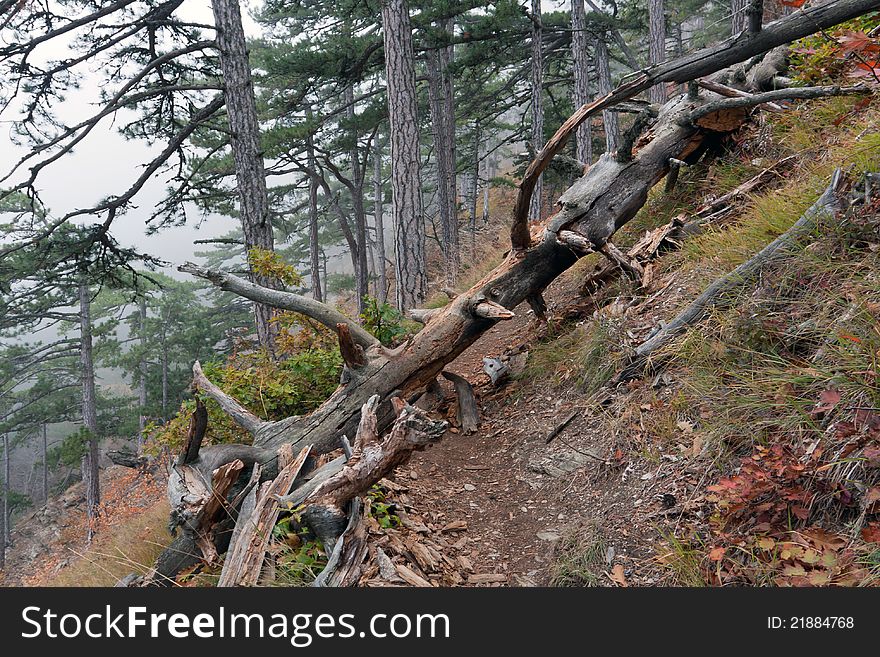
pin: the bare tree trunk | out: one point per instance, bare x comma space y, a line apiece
164, 380
581, 64
656, 46
89, 411
406, 201
475, 187
738, 17
535, 208
314, 247
241, 109
609, 118
440, 100
4, 537
142, 370
45, 467
361, 271
379, 223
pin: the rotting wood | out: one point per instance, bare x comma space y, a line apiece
244, 562
468, 415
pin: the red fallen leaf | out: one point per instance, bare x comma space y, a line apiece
872, 495
828, 399
857, 42
872, 457
871, 533
794, 3
717, 554
800, 512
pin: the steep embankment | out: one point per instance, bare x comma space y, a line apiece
48, 545
749, 457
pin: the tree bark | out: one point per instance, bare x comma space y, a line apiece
406, 201
581, 89
475, 187
535, 209
609, 117
244, 128
142, 371
314, 246
379, 224
89, 411
440, 100
4, 535
738, 17
359, 257
45, 467
656, 46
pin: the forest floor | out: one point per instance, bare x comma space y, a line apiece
512, 504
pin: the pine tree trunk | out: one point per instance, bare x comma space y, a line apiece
409, 227
443, 164
4, 521
738, 17
475, 187
6, 474
89, 411
247, 154
361, 271
657, 45
314, 247
447, 57
142, 369
535, 207
45, 466
164, 379
581, 90
379, 223
609, 118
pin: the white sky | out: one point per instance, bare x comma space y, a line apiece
105, 164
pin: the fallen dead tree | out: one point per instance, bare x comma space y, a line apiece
828, 205
376, 380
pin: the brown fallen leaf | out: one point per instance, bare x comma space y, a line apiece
617, 576
455, 526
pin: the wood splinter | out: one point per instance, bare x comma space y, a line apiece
630, 267
492, 310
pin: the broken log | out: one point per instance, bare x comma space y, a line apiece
468, 415
244, 561
695, 65
197, 427
372, 459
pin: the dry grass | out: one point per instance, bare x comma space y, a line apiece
117, 551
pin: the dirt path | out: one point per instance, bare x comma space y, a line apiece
521, 497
